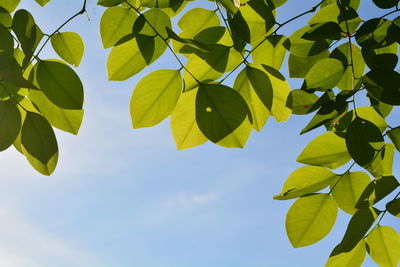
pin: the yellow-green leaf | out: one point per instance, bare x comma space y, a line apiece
310, 219
353, 258
327, 150
155, 97
69, 46
384, 246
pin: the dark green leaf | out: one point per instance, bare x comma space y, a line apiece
393, 207
10, 123
383, 85
394, 136
219, 110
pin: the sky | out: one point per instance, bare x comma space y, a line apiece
122, 197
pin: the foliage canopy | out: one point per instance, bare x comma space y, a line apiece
341, 57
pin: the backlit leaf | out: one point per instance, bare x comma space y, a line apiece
69, 46
384, 246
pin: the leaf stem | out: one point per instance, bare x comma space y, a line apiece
341, 176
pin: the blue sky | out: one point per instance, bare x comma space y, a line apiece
122, 197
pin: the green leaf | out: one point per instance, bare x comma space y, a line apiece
327, 150
393, 207
197, 19
348, 190
207, 67
358, 226
383, 85
239, 137
39, 143
155, 97
381, 58
353, 258
184, 127
310, 219
27, 32
189, 42
300, 66
271, 52
281, 92
109, 3
352, 3
253, 21
129, 58
42, 2
306, 180
377, 190
259, 112
158, 20
383, 164
10, 5
10, 123
175, 9
261, 84
385, 4
325, 74
384, 246
68, 120
60, 84
116, 23
301, 102
345, 54
375, 33
219, 111
327, 30
394, 135
160, 3
7, 41
363, 141
69, 46
302, 47
5, 18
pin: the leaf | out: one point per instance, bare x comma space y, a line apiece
69, 46
358, 226
239, 137
327, 150
116, 23
184, 127
327, 30
219, 111
393, 207
253, 21
383, 164
375, 33
300, 66
261, 84
310, 219
385, 4
325, 74
129, 58
197, 19
158, 20
109, 3
381, 58
10, 124
259, 111
394, 135
39, 143
363, 141
27, 32
159, 3
5, 18
301, 102
189, 42
155, 97
304, 48
68, 120
42, 2
353, 258
207, 67
306, 180
10, 5
343, 53
271, 52
348, 190
383, 85
7, 41
60, 84
281, 92
384, 246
